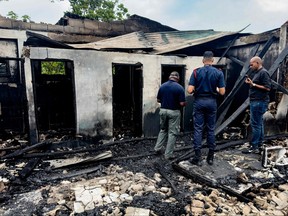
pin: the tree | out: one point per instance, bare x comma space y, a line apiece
12, 15
26, 18
102, 10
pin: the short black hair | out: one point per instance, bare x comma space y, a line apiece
208, 54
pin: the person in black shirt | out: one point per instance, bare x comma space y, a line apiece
260, 85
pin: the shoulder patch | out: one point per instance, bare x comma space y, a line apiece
195, 72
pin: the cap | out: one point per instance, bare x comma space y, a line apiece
174, 75
208, 54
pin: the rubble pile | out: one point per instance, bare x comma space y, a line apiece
128, 178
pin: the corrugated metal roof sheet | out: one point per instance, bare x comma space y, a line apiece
135, 40
161, 42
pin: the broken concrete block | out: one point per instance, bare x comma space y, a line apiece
260, 201
197, 204
275, 155
246, 210
126, 197
2, 186
283, 187
131, 211
78, 207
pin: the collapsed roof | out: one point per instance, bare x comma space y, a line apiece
157, 42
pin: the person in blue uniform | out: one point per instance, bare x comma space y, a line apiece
205, 83
171, 95
260, 85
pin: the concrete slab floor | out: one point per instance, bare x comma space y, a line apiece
232, 169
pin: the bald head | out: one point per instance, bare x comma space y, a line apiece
256, 63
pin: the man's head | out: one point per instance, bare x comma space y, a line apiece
255, 63
174, 76
208, 57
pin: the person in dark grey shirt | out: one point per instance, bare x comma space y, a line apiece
260, 85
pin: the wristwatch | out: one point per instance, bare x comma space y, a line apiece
253, 84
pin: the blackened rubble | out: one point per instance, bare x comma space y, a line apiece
134, 180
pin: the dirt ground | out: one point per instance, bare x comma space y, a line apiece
133, 156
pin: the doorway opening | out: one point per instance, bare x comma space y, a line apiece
54, 95
13, 102
127, 100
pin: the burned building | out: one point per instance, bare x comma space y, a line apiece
84, 77
106, 75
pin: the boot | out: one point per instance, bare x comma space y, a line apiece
197, 158
210, 157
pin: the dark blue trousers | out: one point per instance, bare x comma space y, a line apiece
257, 110
204, 114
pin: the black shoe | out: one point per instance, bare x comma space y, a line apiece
251, 150
196, 161
210, 160
158, 152
170, 158
210, 157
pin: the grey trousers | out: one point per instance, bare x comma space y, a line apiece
169, 129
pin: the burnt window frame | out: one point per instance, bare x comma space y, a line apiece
8, 73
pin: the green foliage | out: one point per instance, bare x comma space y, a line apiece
53, 68
102, 10
26, 18
12, 15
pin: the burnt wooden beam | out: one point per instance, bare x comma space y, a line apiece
160, 169
10, 148
64, 153
225, 105
27, 170
231, 43
73, 174
237, 61
98, 148
279, 87
231, 118
20, 152
227, 49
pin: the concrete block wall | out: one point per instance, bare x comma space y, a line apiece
75, 26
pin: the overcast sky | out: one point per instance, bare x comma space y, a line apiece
220, 15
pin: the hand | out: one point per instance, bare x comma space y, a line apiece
249, 81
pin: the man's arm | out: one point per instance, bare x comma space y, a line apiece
182, 104
221, 91
190, 89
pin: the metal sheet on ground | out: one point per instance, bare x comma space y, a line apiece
232, 169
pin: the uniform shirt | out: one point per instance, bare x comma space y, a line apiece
206, 79
260, 77
170, 95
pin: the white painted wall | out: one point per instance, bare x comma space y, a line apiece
93, 82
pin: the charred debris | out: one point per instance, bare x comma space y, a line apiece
83, 176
